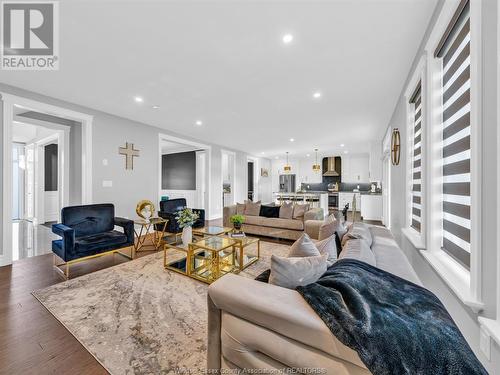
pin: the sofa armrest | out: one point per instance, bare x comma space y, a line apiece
68, 238
311, 227
275, 308
314, 214
128, 228
227, 212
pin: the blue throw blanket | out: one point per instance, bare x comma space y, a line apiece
395, 326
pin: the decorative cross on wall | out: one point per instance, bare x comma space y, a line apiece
129, 153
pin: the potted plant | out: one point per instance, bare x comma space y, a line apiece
186, 219
237, 221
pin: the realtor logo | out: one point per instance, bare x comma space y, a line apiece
30, 35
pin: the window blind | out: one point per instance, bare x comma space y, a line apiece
456, 131
416, 175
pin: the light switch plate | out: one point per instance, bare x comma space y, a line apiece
485, 343
107, 183
104, 161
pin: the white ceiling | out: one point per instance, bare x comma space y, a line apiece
225, 63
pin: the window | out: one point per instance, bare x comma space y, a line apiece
416, 159
454, 52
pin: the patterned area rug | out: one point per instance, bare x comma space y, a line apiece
137, 317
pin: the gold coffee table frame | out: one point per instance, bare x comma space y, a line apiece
241, 244
206, 260
146, 225
211, 230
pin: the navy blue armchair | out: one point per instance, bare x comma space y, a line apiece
169, 209
88, 231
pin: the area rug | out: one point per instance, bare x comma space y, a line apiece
137, 317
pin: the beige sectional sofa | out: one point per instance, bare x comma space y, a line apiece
290, 229
255, 325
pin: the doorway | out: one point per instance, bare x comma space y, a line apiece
228, 180
36, 140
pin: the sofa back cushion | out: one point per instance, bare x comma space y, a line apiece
270, 211
286, 210
299, 210
173, 205
89, 219
358, 249
358, 231
252, 208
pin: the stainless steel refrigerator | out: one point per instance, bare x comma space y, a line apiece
287, 183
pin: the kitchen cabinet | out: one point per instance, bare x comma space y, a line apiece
371, 207
347, 198
355, 168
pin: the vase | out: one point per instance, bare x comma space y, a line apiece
187, 235
237, 227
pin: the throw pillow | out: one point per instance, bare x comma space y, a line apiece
328, 246
299, 210
328, 227
358, 231
303, 247
252, 208
240, 208
359, 250
293, 272
286, 210
269, 211
341, 230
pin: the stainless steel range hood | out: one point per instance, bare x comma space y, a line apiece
330, 168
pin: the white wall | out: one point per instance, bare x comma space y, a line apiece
465, 318
130, 186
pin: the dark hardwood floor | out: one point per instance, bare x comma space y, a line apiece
32, 341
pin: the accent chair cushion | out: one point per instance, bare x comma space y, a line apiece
328, 228
240, 208
89, 219
303, 247
286, 210
297, 271
299, 210
93, 244
252, 208
269, 211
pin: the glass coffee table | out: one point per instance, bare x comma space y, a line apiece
206, 260
243, 257
210, 230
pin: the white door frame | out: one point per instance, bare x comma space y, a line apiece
232, 168
8, 102
208, 165
255, 178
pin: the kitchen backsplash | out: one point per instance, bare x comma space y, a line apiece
343, 186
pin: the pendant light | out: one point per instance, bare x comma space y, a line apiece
316, 166
287, 168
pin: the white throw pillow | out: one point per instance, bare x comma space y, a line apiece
328, 246
293, 272
303, 247
328, 228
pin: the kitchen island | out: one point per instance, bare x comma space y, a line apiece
315, 199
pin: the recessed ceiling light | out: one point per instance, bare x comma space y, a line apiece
308, 155
156, 107
276, 157
287, 38
138, 99
262, 153
199, 123
292, 140
317, 95
345, 152
342, 145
